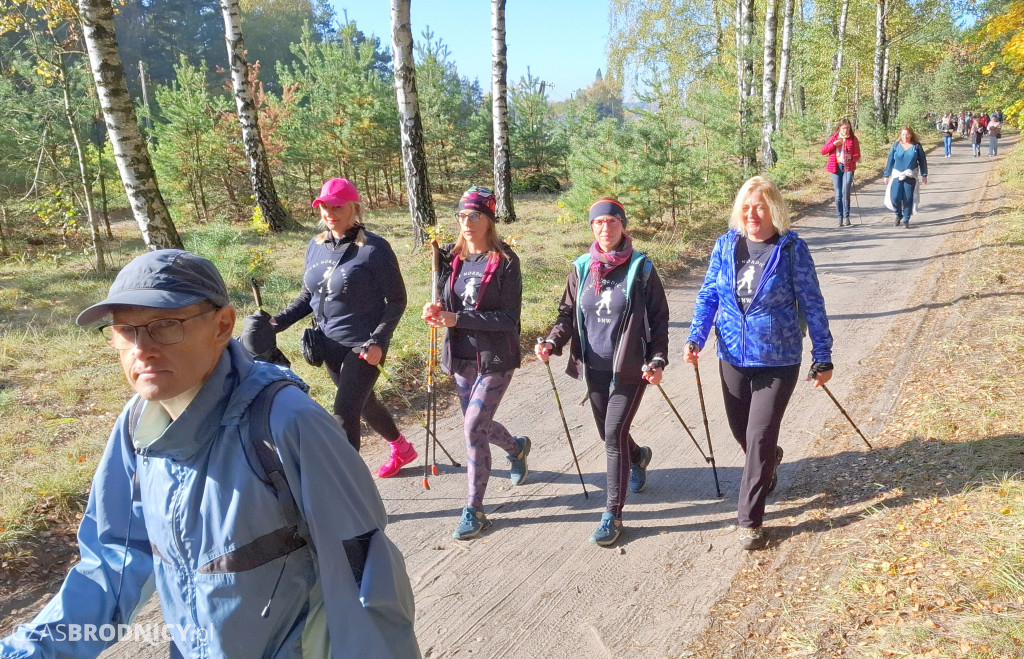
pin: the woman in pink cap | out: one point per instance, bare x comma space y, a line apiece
354, 288
480, 305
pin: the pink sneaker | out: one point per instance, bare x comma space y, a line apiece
402, 453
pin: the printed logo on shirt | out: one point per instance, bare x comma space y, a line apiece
603, 306
472, 288
746, 281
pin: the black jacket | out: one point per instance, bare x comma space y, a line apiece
495, 323
643, 335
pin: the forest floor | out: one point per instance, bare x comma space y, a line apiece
928, 355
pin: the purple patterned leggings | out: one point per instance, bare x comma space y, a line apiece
479, 396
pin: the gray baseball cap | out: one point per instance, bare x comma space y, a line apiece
164, 279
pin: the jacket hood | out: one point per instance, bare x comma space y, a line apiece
221, 402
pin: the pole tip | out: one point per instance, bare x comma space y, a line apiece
433, 470
426, 483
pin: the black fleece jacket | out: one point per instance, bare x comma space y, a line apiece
495, 322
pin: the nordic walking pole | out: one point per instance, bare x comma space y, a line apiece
847, 416
678, 416
707, 428
409, 404
435, 265
860, 215
565, 425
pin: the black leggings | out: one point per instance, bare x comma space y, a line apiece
614, 409
354, 379
755, 400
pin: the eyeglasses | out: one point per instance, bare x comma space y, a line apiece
608, 220
165, 331
472, 218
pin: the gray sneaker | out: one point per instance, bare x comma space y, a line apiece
518, 470
751, 539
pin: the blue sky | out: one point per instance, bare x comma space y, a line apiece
562, 41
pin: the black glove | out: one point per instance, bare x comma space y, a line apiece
259, 338
694, 348
657, 362
818, 367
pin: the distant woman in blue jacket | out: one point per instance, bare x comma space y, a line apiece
759, 288
905, 165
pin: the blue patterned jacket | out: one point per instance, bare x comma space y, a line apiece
770, 332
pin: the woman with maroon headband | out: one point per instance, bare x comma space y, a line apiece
614, 315
480, 306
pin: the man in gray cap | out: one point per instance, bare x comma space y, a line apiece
257, 545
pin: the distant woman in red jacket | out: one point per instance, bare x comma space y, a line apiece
843, 151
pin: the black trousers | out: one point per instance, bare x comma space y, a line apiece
755, 401
354, 379
614, 408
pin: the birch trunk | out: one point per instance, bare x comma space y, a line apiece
745, 77
771, 24
787, 43
414, 160
885, 86
841, 37
499, 94
878, 80
130, 152
260, 178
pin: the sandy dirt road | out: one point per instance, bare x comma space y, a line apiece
533, 586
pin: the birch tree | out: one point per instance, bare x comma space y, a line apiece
878, 79
262, 181
771, 25
837, 67
499, 113
787, 42
414, 160
745, 77
129, 147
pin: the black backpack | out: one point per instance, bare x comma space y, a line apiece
295, 532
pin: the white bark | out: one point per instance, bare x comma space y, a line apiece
499, 111
260, 177
841, 38
414, 160
783, 80
771, 25
878, 80
130, 152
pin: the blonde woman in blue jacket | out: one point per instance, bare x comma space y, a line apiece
759, 289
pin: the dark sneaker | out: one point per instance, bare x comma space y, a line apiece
751, 539
473, 522
840, 221
899, 220
608, 532
518, 471
775, 471
638, 470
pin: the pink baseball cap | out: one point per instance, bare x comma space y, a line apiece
336, 192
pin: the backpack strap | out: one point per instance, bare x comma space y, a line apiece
262, 440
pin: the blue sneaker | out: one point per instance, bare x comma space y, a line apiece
473, 522
608, 532
518, 471
638, 470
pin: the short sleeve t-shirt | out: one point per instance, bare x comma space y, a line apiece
602, 315
751, 257
465, 295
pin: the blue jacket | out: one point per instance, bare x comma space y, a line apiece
203, 498
769, 333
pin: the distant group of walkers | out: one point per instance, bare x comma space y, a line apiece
973, 126
906, 163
